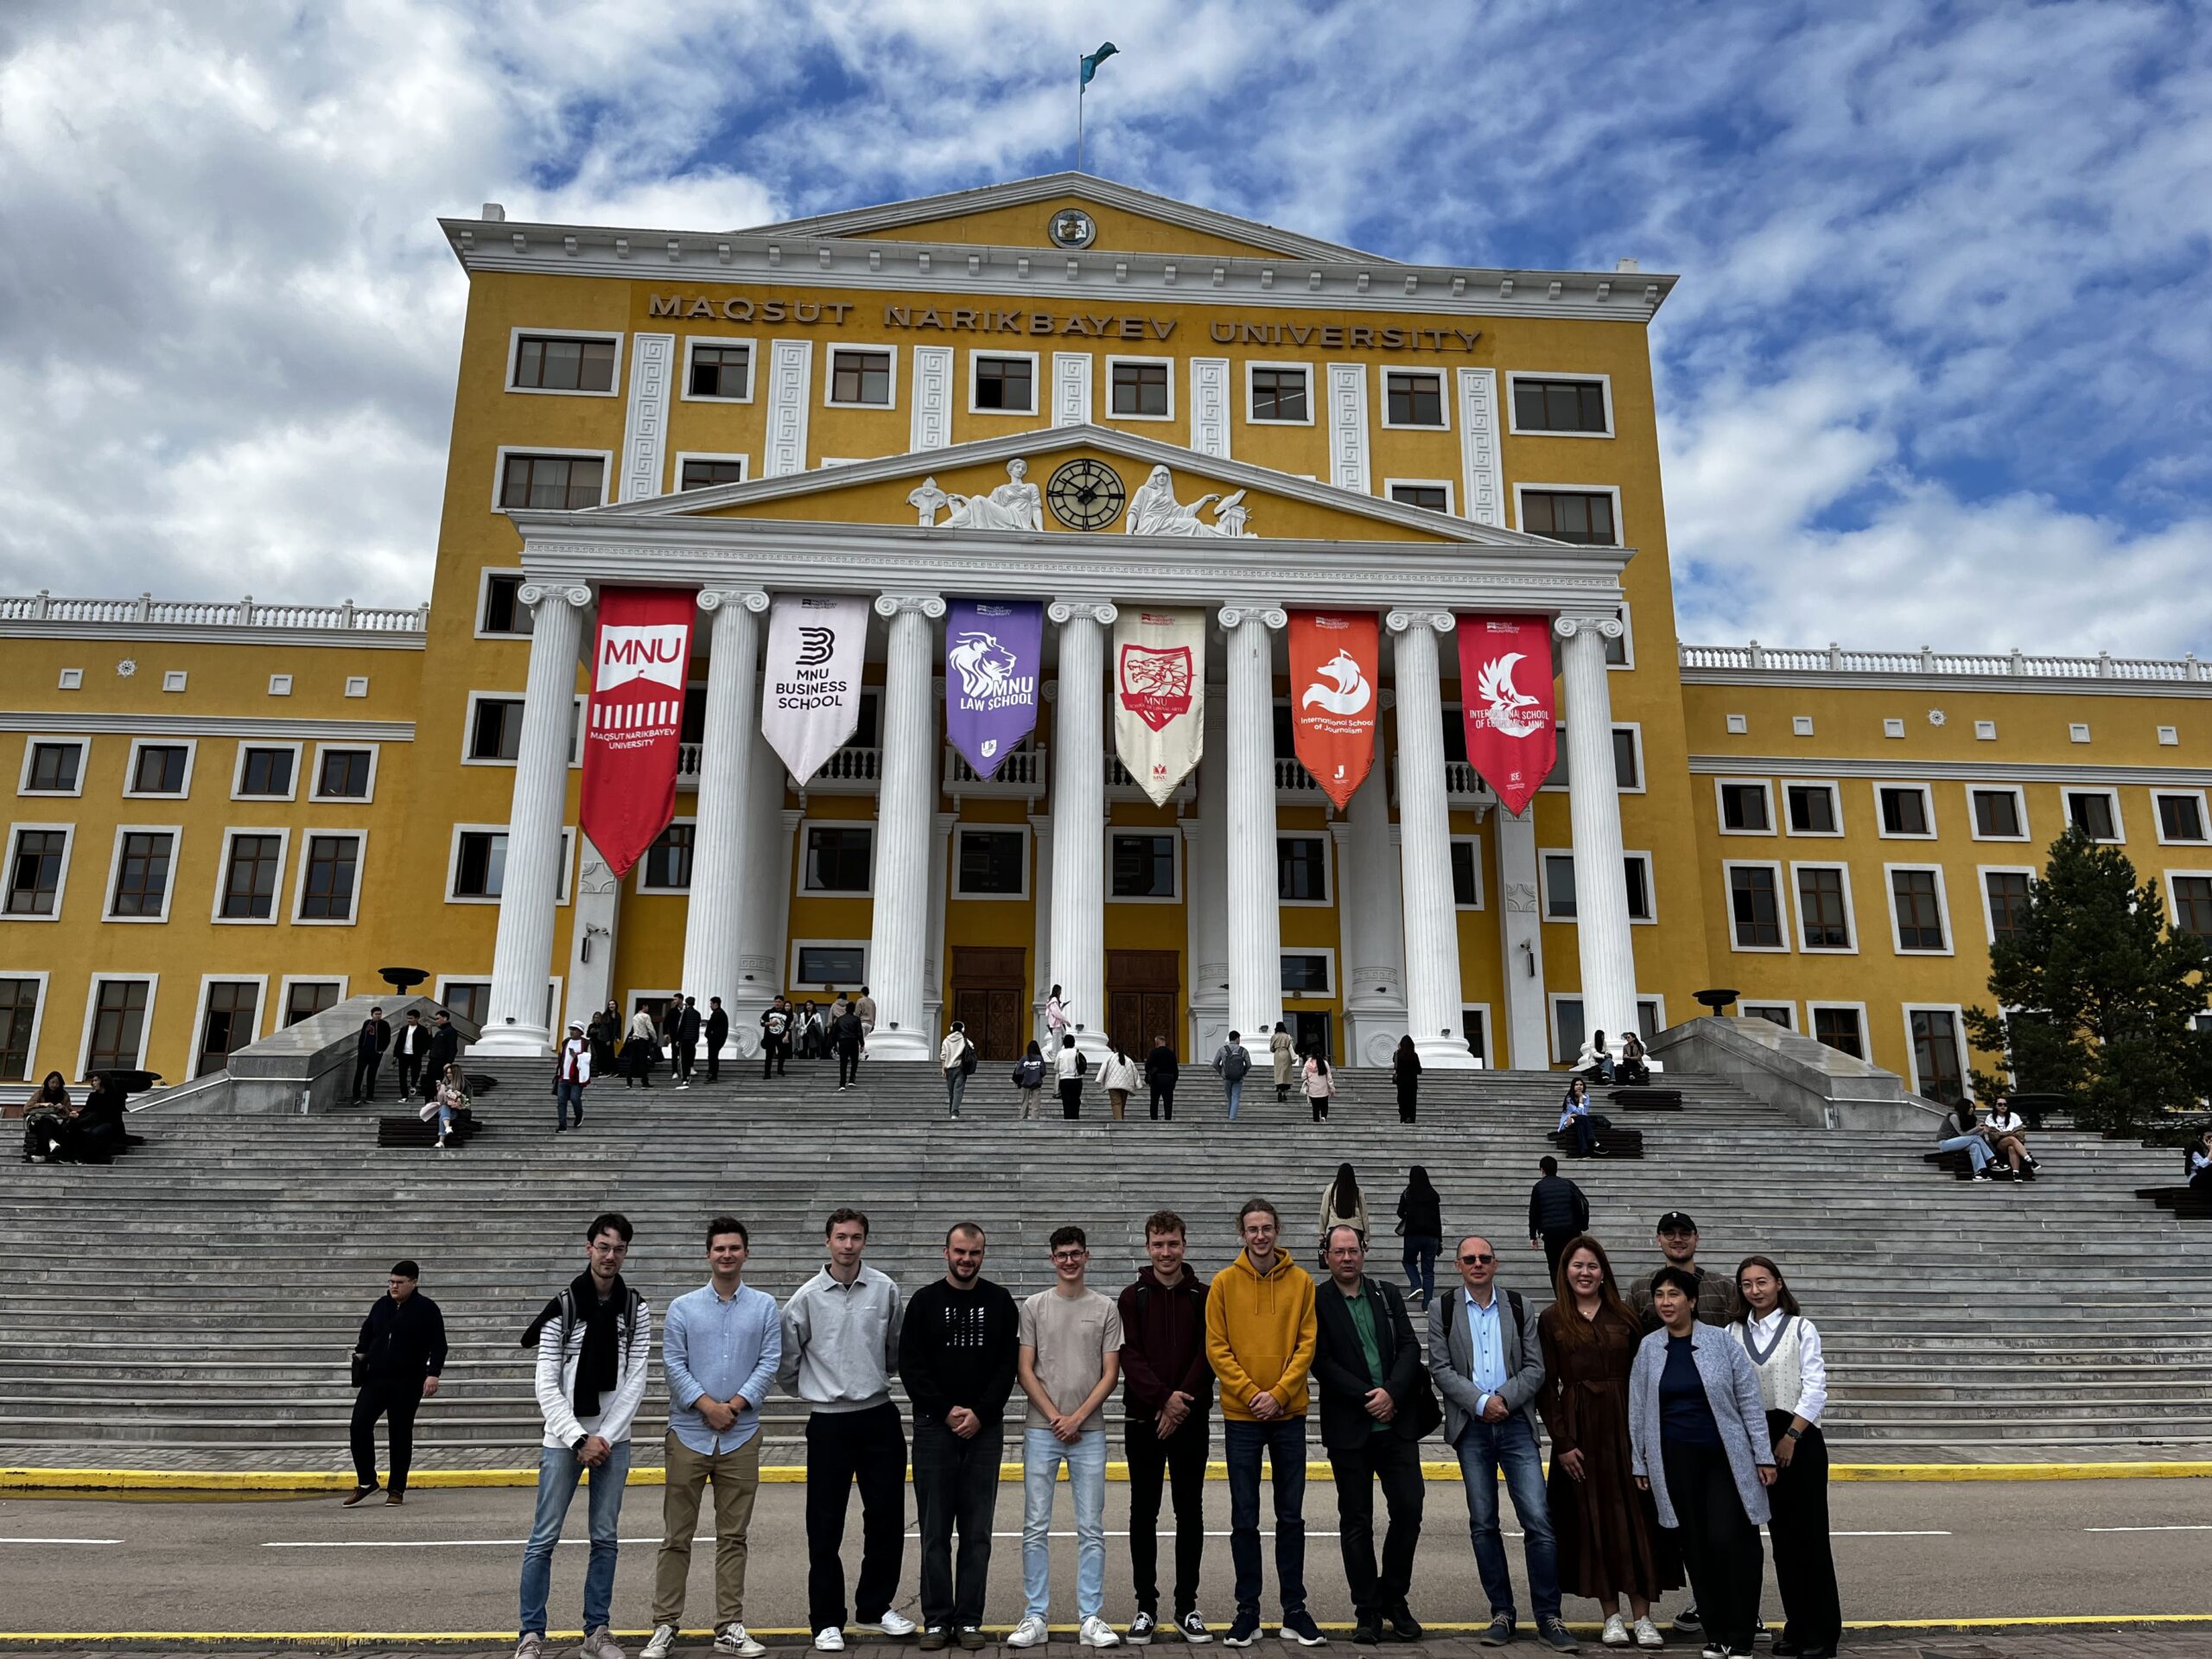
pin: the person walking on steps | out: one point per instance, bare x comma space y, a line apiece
864, 1006
1282, 1054
688, 1028
1118, 1076
396, 1360
638, 1050
1343, 1204
1405, 1077
410, 1047
1029, 1079
1557, 1212
1167, 1398
368, 1054
1785, 1347
571, 1076
957, 1057
1162, 1068
1067, 1069
1055, 1019
776, 1020
1319, 1084
1232, 1062
1421, 1222
718, 1033
847, 1037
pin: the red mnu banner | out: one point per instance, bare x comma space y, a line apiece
1334, 656
635, 720
1505, 692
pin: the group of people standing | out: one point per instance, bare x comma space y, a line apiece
634, 1049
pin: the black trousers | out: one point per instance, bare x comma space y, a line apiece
1720, 1545
1804, 1565
775, 1052
1182, 1459
956, 1489
686, 1055
398, 1404
1408, 1096
1163, 1101
849, 1065
410, 1073
1071, 1096
713, 1060
842, 1446
1396, 1465
365, 1076
1555, 1247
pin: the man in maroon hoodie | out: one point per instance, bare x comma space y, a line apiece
1168, 1395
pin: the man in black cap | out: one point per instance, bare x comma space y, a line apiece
397, 1359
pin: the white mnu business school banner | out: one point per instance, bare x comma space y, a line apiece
1159, 689
812, 699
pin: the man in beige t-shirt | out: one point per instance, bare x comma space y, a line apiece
1071, 1358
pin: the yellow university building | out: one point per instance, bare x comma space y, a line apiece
227, 815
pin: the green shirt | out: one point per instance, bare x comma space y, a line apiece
1363, 1321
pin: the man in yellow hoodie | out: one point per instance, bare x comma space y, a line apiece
1259, 1336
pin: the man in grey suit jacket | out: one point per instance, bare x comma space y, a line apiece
1483, 1354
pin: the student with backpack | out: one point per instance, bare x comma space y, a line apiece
957, 1057
1029, 1078
1232, 1061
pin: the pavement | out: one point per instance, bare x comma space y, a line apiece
1967, 1566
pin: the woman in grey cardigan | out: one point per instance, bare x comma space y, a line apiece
1697, 1431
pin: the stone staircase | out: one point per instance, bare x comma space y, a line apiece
193, 1304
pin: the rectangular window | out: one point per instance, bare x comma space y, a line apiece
703, 473
118, 1025
327, 894
547, 363
1812, 809
35, 871
1823, 908
343, 775
1635, 868
1776, 1013
495, 728
1996, 815
504, 612
1139, 389
1007, 384
1413, 399
2181, 817
1579, 516
1743, 809
1559, 405
831, 964
479, 865
1919, 910
553, 483
1755, 907
470, 999
994, 863
2092, 813
1301, 869
159, 769
721, 371
1558, 886
857, 376
227, 1025
668, 861
1432, 497
142, 874
266, 773
1279, 395
1627, 772
2008, 902
1466, 874
18, 1013
55, 767
2193, 905
838, 857
1305, 973
305, 998
1840, 1029
1904, 811
249, 878
1940, 1073
1144, 866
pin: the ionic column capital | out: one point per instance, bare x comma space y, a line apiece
534, 594
1090, 610
1273, 616
1406, 621
930, 604
713, 598
1567, 623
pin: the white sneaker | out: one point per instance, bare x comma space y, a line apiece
1096, 1632
1030, 1633
600, 1644
664, 1639
894, 1624
830, 1639
1615, 1632
530, 1647
734, 1638
1647, 1634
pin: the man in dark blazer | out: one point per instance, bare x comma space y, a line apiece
368, 1054
1375, 1406
396, 1360
445, 1049
410, 1047
717, 1034
688, 1025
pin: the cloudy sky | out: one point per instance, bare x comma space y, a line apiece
1936, 372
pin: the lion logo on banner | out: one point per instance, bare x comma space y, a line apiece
1350, 693
1511, 711
1156, 685
985, 666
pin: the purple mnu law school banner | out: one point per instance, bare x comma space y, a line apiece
994, 649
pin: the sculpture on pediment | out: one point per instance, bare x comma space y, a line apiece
1015, 504
1154, 511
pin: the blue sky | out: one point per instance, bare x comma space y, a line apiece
1936, 372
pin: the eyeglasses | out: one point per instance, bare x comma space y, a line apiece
1069, 1256
1475, 1260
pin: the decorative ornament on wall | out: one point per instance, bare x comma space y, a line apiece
1015, 504
1085, 494
1935, 716
1074, 228
1154, 511
127, 667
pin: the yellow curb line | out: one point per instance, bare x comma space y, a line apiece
307, 1480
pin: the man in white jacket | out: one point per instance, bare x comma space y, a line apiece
594, 1341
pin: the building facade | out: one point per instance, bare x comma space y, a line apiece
228, 815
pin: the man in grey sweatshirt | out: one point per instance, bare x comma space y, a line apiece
841, 1349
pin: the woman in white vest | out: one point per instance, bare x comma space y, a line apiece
1785, 1350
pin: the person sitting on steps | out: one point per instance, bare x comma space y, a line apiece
1574, 1119
1959, 1133
2006, 1133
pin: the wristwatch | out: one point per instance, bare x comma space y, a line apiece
579, 1443
1791, 1432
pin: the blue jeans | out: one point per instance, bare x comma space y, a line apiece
1511, 1446
1420, 1263
558, 1470
1977, 1149
567, 1093
1284, 1443
1234, 1088
1578, 1126
1042, 1453
956, 1084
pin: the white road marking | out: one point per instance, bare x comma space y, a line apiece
1927, 1533
60, 1540
2190, 1526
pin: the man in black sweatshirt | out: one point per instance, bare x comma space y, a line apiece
1557, 1212
957, 1353
1168, 1395
396, 1360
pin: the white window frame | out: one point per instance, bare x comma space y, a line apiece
61, 877
299, 876
576, 715
442, 993
676, 466
1306, 369
1442, 401
1850, 911
314, 789
153, 984
237, 770
1519, 490
191, 747
1835, 807
1720, 787
1544, 855
453, 864
637, 884
357, 685
752, 344
1553, 999
1106, 387
1174, 836
1327, 953
343, 981
1866, 1035
800, 946
1650, 885
952, 876
1981, 875
33, 742
1942, 909
215, 917
638, 994
829, 375
1451, 496
499, 471
514, 359
1328, 868
484, 574
2159, 818
175, 833
1784, 896
2065, 791
1628, 640
800, 890
1747, 1003
280, 685
1512, 422
468, 727
976, 356
1475, 842
1957, 1011
1643, 784
2173, 909
1490, 1032
2019, 808
1927, 804
38, 1018
1635, 727
200, 1010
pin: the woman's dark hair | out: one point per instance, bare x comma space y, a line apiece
1120, 1052
1681, 1278
1344, 1191
53, 1086
1786, 1302
1035, 1050
1056, 990
1417, 1183
1280, 1027
1320, 1061
1572, 1327
1406, 1044
1963, 1112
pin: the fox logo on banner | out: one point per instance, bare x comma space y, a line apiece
634, 725
810, 699
992, 649
1334, 659
1505, 691
1159, 694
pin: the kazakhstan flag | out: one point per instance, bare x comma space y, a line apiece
1091, 64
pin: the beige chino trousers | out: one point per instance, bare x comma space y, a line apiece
736, 1476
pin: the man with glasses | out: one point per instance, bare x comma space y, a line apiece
1483, 1354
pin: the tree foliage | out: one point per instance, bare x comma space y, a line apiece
2104, 994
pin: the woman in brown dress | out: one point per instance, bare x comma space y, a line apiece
1611, 1545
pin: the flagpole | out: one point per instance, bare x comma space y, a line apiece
1078, 114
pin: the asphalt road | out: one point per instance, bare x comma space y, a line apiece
447, 1561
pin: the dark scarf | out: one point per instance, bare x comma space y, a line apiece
599, 1364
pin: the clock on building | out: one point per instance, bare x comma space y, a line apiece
1085, 494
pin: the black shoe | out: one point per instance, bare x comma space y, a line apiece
1688, 1623
1500, 1631
1404, 1627
1552, 1632
935, 1639
1243, 1631
971, 1639
359, 1493
1300, 1627
1785, 1648
1366, 1634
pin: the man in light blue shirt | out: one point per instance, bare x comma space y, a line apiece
720, 1348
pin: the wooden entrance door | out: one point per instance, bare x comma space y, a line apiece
1141, 988
987, 999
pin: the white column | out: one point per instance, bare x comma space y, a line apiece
761, 960
1425, 844
1078, 954
593, 928
1594, 802
1527, 1020
1206, 879
1040, 960
1370, 939
522, 955
1255, 915
714, 928
899, 934
934, 990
